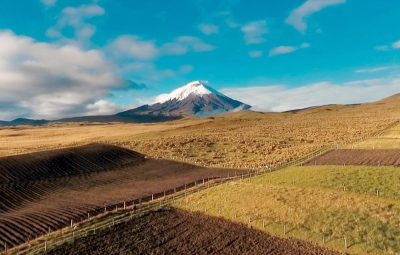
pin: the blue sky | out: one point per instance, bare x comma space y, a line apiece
99, 57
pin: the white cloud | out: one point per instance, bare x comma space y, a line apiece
208, 29
393, 46
285, 49
255, 53
254, 32
396, 45
41, 80
102, 107
298, 16
280, 50
183, 44
375, 69
282, 98
75, 18
49, 2
128, 46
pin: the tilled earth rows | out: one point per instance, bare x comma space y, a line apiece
172, 231
44, 191
359, 157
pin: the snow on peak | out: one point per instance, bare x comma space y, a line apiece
196, 87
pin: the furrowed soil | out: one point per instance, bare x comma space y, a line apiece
44, 191
172, 231
386, 157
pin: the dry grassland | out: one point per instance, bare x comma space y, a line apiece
239, 140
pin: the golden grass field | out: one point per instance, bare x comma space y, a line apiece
25, 139
321, 204
240, 140
389, 140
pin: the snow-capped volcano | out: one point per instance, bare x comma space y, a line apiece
194, 98
198, 88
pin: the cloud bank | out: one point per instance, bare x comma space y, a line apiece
279, 98
42, 80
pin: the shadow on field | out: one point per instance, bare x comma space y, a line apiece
173, 231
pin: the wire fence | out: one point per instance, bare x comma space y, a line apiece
109, 215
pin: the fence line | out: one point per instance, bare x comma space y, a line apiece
139, 206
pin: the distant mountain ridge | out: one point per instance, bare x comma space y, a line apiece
23, 121
193, 99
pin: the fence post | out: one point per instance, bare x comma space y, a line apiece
45, 245
284, 229
152, 197
71, 224
124, 205
345, 243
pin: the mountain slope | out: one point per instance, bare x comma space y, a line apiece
195, 98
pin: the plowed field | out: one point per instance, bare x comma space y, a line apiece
44, 191
180, 232
359, 157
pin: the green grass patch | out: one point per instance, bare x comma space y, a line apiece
359, 179
309, 203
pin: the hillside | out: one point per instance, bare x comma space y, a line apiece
251, 139
243, 139
45, 191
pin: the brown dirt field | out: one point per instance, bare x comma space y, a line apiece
172, 231
46, 190
359, 157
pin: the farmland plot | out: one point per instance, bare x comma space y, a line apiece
180, 232
45, 191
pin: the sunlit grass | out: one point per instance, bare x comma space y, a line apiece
390, 139
371, 180
310, 203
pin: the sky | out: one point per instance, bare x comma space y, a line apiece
62, 58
